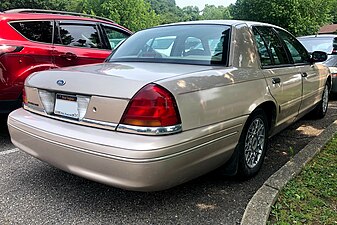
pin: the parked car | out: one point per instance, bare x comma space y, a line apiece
147, 121
35, 40
326, 43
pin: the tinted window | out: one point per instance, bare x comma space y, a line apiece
194, 44
79, 35
297, 51
40, 31
262, 49
274, 46
114, 36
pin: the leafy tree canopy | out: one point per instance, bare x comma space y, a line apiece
134, 14
33, 4
301, 17
212, 12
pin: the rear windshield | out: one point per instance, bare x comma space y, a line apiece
190, 44
319, 44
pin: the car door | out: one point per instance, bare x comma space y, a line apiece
311, 80
78, 43
36, 54
284, 80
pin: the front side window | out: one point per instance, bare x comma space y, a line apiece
40, 31
114, 36
298, 53
77, 35
274, 46
191, 44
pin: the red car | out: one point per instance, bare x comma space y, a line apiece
35, 40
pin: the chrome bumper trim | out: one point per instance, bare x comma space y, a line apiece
149, 130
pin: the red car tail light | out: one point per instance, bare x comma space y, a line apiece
9, 49
152, 106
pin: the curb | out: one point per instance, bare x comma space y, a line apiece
259, 207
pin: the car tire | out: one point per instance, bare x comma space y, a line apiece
322, 107
252, 145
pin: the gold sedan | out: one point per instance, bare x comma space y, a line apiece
172, 103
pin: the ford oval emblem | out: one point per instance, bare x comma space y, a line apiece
60, 82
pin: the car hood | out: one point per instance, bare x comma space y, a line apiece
119, 80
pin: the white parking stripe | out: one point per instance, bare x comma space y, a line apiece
9, 151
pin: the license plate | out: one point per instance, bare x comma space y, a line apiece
66, 105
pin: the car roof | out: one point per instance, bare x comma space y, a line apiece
38, 14
317, 36
222, 22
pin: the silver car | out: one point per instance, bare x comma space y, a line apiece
172, 103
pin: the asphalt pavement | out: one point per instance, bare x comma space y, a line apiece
32, 192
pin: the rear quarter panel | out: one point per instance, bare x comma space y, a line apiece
218, 95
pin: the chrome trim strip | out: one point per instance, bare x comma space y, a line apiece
84, 122
149, 130
108, 125
114, 157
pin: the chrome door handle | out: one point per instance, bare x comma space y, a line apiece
276, 80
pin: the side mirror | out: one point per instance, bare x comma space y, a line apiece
318, 56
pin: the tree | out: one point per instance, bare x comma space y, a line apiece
134, 14
301, 17
191, 13
212, 12
167, 10
34, 4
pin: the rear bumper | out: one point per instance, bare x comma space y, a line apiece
134, 162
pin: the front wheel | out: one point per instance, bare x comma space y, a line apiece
252, 144
322, 107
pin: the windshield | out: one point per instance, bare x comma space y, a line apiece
190, 44
319, 44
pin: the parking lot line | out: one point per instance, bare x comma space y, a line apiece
9, 151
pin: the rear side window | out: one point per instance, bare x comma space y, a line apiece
262, 49
78, 35
273, 44
41, 31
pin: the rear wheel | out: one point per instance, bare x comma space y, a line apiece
252, 144
322, 107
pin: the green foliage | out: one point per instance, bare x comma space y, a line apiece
134, 14
191, 13
301, 17
167, 11
212, 12
33, 4
311, 198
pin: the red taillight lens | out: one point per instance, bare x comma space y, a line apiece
9, 49
152, 106
24, 97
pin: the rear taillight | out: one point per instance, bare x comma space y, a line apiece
152, 106
9, 49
